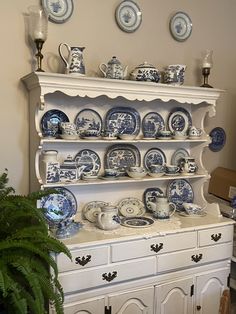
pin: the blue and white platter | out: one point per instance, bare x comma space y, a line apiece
88, 159
50, 122
122, 120
150, 195
89, 123
154, 156
122, 156
218, 137
179, 120
152, 123
59, 207
180, 191
178, 155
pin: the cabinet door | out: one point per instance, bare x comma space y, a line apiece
93, 306
209, 288
174, 297
132, 302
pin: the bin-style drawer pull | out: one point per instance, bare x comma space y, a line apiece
83, 260
156, 247
109, 276
216, 237
196, 258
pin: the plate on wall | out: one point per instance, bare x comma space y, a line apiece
50, 122
154, 156
180, 26
89, 120
59, 11
59, 207
150, 195
131, 207
122, 156
128, 16
89, 160
152, 123
179, 119
180, 191
122, 120
218, 139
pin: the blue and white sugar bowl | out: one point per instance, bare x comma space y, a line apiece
145, 72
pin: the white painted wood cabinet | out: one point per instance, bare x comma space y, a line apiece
180, 266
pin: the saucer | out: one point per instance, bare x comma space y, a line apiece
108, 178
196, 215
156, 175
180, 137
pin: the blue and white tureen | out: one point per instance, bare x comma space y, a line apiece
145, 72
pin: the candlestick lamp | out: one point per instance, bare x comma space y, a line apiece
38, 27
206, 67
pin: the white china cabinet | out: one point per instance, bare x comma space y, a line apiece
176, 266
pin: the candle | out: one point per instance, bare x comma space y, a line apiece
206, 64
39, 35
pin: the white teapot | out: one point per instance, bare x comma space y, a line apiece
113, 69
108, 219
162, 209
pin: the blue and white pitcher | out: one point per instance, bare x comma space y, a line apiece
74, 62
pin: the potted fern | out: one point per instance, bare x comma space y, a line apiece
26, 285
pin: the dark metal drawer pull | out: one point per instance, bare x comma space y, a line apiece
83, 260
156, 247
196, 258
109, 276
216, 237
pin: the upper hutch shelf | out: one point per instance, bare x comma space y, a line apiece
131, 90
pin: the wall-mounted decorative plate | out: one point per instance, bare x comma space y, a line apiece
218, 138
59, 11
128, 16
180, 26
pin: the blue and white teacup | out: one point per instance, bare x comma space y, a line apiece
157, 168
172, 169
179, 135
110, 172
164, 134
194, 132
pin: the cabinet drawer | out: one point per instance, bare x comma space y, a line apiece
153, 246
105, 275
194, 257
83, 258
215, 236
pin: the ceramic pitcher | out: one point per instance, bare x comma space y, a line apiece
74, 62
108, 219
162, 209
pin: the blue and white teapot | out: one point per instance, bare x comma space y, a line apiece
113, 69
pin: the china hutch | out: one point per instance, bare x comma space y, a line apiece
177, 266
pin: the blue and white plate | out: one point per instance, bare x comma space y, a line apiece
154, 156
152, 123
218, 138
178, 155
122, 120
50, 122
88, 159
121, 157
131, 207
150, 195
179, 120
89, 122
180, 191
59, 207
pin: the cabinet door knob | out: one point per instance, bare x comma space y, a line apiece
199, 307
216, 237
196, 258
83, 260
109, 276
156, 247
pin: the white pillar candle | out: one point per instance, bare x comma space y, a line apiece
206, 65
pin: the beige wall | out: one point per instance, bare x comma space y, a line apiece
93, 26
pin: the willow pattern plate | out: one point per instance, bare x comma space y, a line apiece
59, 207
50, 122
150, 195
89, 120
88, 159
179, 120
154, 156
180, 191
131, 207
152, 123
137, 222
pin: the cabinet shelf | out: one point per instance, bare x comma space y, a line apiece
123, 180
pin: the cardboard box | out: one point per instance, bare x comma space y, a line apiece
223, 183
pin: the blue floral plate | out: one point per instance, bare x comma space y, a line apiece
218, 138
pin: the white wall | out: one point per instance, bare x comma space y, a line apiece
93, 26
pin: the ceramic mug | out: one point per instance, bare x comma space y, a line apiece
174, 74
172, 169
188, 165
